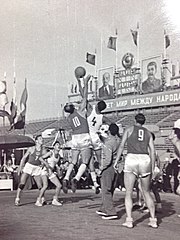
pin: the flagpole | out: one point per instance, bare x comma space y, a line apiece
4, 108
165, 54
138, 47
116, 51
95, 74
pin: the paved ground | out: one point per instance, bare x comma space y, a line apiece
77, 219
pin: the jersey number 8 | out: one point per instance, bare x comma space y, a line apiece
140, 135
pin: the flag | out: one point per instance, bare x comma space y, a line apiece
3, 96
167, 41
90, 58
135, 36
13, 106
112, 43
20, 122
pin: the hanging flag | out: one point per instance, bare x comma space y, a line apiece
112, 43
167, 41
135, 36
90, 58
3, 89
20, 122
13, 106
4, 113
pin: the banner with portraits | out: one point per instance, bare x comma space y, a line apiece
151, 74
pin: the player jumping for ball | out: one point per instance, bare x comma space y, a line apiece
95, 119
81, 140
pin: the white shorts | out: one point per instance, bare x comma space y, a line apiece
45, 173
81, 141
32, 170
96, 142
139, 164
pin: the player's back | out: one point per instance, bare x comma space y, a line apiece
94, 121
78, 123
138, 141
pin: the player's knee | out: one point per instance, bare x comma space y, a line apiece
21, 186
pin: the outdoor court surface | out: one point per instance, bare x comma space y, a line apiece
77, 219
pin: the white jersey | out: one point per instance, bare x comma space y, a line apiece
52, 161
94, 121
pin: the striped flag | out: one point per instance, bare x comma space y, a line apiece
3, 89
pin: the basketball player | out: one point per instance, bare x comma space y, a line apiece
81, 140
95, 119
31, 168
51, 160
139, 163
175, 139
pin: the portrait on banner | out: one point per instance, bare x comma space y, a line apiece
106, 83
151, 75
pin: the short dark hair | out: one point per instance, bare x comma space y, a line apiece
56, 143
152, 64
177, 132
37, 136
69, 108
140, 118
114, 129
101, 105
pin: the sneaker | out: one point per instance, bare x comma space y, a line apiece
153, 223
55, 202
65, 186
74, 185
110, 217
128, 223
97, 190
17, 202
38, 203
99, 212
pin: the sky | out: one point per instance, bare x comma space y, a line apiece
45, 40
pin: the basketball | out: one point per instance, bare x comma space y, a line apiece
80, 72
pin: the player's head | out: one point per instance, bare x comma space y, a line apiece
140, 118
106, 78
56, 145
101, 105
114, 129
69, 108
103, 131
176, 128
151, 69
38, 139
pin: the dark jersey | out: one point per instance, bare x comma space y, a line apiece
138, 141
78, 123
34, 157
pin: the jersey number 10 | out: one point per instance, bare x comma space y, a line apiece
76, 122
140, 135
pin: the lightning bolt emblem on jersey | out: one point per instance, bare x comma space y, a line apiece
94, 121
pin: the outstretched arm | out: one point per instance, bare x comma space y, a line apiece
121, 147
81, 89
83, 104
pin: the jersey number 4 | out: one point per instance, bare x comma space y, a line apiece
76, 122
140, 135
94, 121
